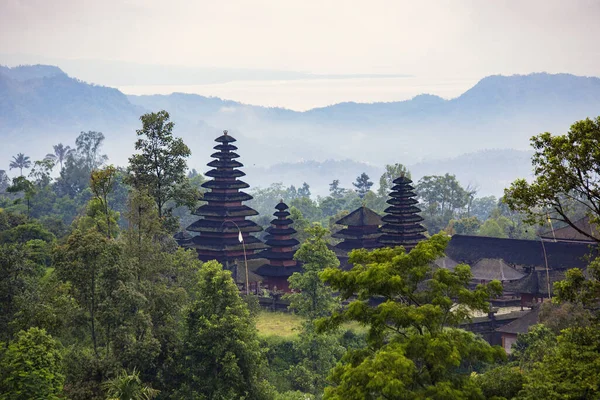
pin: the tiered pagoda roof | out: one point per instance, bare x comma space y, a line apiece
361, 232
402, 223
224, 215
280, 253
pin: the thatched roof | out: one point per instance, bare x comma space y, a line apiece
522, 324
525, 253
360, 217
570, 233
489, 269
535, 283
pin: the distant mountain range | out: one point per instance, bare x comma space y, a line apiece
40, 106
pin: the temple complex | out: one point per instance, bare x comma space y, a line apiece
361, 232
280, 253
223, 232
402, 223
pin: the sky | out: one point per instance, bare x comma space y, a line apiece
439, 40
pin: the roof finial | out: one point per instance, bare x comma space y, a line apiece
225, 132
281, 200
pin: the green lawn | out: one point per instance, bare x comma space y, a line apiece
278, 323
271, 323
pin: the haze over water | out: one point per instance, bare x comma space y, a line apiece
304, 94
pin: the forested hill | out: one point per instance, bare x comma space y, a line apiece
42, 105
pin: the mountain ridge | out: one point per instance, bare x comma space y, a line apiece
43, 105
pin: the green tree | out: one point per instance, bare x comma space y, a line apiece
335, 190
414, 348
102, 184
491, 228
89, 145
31, 367
444, 199
314, 299
88, 261
501, 383
127, 386
318, 352
391, 172
362, 184
221, 357
304, 191
60, 154
161, 164
22, 185
17, 275
566, 177
20, 161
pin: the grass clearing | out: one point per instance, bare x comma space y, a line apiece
282, 324
278, 324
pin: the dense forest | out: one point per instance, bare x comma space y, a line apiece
98, 301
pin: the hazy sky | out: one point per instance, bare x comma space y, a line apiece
470, 38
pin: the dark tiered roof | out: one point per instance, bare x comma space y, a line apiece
281, 246
402, 223
361, 232
224, 215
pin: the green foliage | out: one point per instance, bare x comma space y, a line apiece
362, 184
570, 370
531, 347
160, 166
127, 386
101, 184
18, 275
566, 177
221, 357
443, 198
20, 161
313, 299
501, 383
391, 172
491, 228
412, 351
31, 367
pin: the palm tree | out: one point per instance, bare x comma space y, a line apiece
129, 387
60, 154
20, 161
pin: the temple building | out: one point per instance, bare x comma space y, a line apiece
361, 232
402, 223
280, 254
223, 232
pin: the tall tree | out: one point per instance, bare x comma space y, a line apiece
304, 191
30, 367
87, 260
89, 145
20, 161
313, 298
22, 185
414, 348
161, 164
4, 181
362, 184
567, 176
335, 190
444, 199
391, 172
101, 183
60, 154
222, 358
